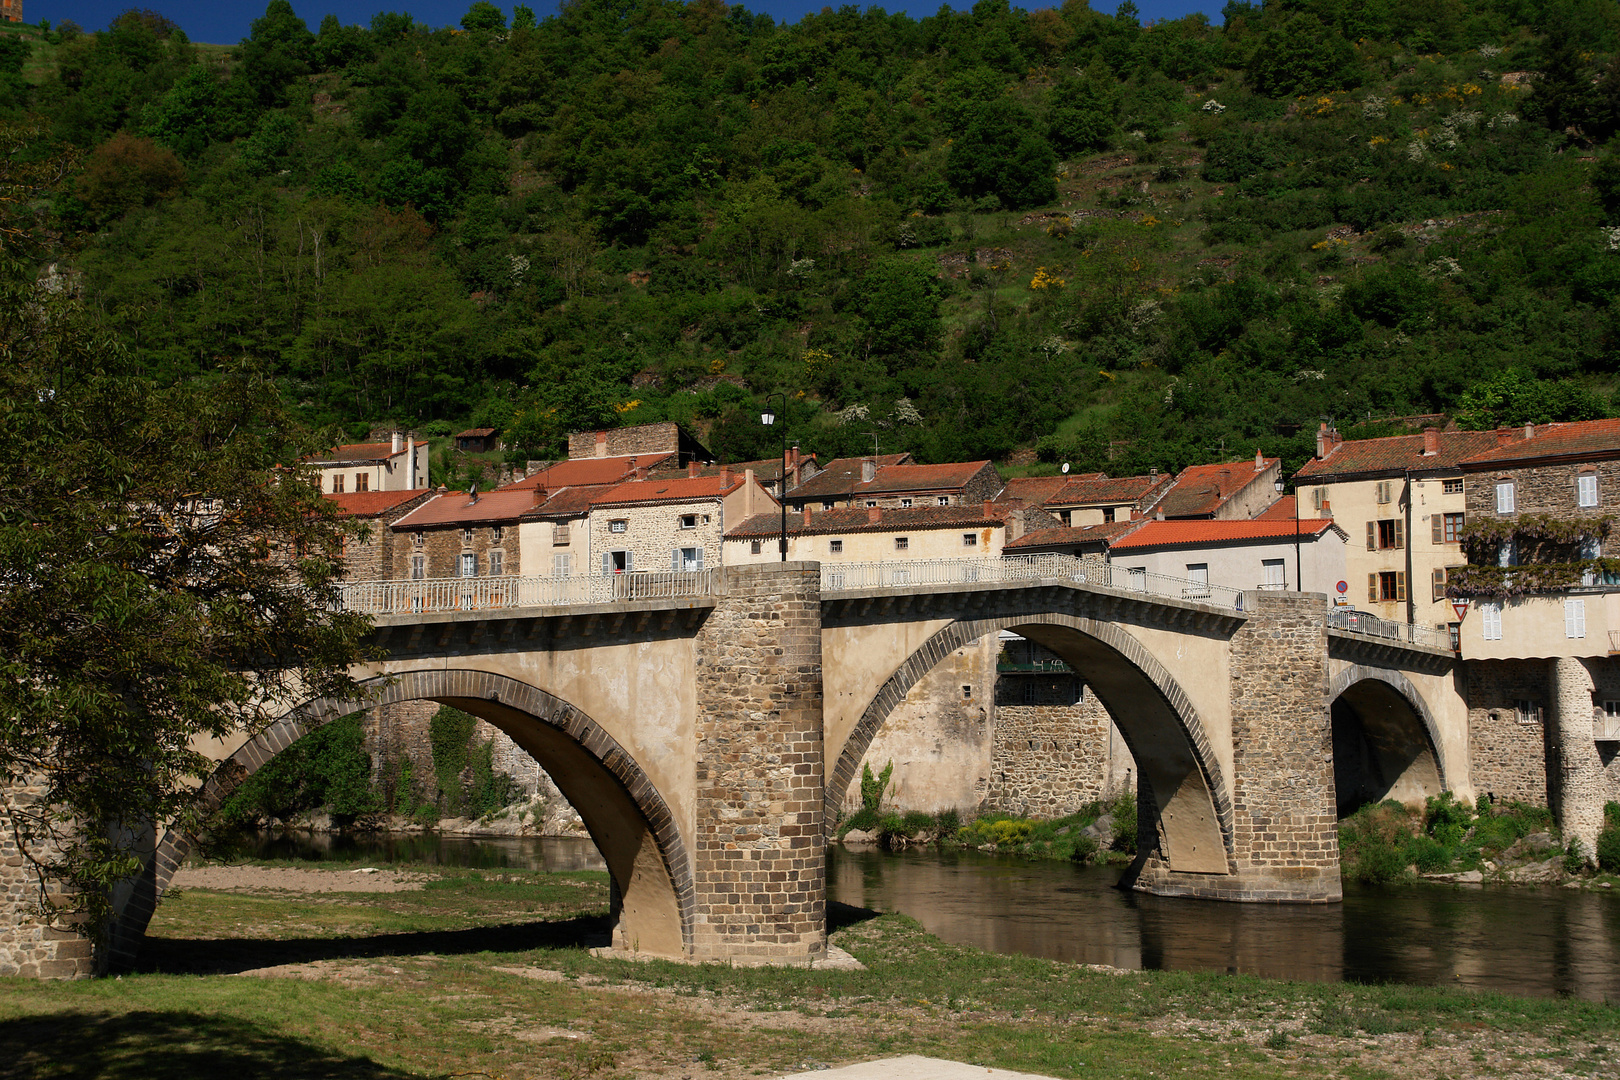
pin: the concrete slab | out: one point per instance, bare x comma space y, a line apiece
914, 1067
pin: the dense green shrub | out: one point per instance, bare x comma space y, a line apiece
1608, 842
465, 771
326, 768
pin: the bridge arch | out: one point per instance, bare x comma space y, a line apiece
629, 820
1180, 777
1386, 744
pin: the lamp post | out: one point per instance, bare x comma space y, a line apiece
1299, 583
768, 418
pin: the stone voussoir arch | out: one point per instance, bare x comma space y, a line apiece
965, 631
1396, 681
435, 684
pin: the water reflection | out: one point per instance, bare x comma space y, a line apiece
1537, 941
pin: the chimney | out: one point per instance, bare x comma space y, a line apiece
725, 477
1529, 431
874, 514
1431, 441
1327, 510
641, 473
1259, 461
1504, 436
692, 469
1327, 440
989, 509
601, 444
807, 515
1154, 472
868, 470
793, 458
398, 444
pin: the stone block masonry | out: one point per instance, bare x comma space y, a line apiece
1056, 748
759, 871
1508, 702
28, 947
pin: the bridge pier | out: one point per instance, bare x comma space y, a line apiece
1284, 835
759, 853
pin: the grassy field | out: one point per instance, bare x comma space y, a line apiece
487, 974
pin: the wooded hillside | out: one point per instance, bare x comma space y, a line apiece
980, 234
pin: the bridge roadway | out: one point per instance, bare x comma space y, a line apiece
707, 725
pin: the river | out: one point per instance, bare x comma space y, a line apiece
1532, 940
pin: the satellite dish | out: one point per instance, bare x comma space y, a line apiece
1065, 468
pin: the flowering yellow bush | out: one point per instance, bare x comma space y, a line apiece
1377, 140
624, 407
1045, 280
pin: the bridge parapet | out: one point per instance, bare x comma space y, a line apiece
473, 594
1079, 570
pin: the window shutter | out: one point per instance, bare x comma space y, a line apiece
1439, 583
675, 559
629, 561
1400, 585
1438, 523
607, 562
1400, 533
1372, 536
1575, 617
1372, 588
700, 558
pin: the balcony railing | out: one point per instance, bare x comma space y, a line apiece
1606, 728
494, 593
1088, 570
1360, 622
1614, 642
1053, 667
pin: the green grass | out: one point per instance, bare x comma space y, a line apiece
461, 978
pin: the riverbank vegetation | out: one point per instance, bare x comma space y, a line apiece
1098, 832
1055, 234
482, 973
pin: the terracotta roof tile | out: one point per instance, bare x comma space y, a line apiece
603, 470
476, 433
1210, 533
665, 489
372, 503
1201, 489
911, 518
1106, 489
362, 452
458, 508
1281, 510
568, 502
1038, 489
1578, 439
843, 475
1104, 532
1396, 454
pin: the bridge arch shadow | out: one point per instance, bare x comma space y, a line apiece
1186, 805
1385, 741
627, 818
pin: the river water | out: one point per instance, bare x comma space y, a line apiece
1534, 940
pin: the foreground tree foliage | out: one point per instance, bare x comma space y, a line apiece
162, 583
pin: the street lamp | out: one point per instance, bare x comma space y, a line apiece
1299, 582
768, 418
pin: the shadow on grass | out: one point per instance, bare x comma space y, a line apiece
140, 1045
227, 956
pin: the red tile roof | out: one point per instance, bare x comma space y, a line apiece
1578, 439
898, 519
766, 469
362, 452
1115, 490
1103, 532
1281, 510
1201, 489
569, 502
372, 503
458, 508
1213, 533
476, 433
1396, 454
666, 489
1038, 489
843, 475
578, 471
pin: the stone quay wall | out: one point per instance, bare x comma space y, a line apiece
1508, 703
758, 856
28, 947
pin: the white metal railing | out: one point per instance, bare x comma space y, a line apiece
1360, 622
492, 593
1084, 570
1605, 728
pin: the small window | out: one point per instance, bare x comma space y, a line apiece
1586, 489
835, 546
618, 526
1504, 497
1029, 691
1529, 712
688, 521
1451, 487
1273, 574
1386, 586
418, 567
466, 536
755, 547
1442, 576
337, 483
1317, 497
495, 534
1385, 489
1490, 620
825, 505
469, 565
944, 500
1574, 617
562, 565
1108, 513
970, 539
902, 543
871, 503
1454, 635
1385, 535
967, 691
905, 503
416, 539
362, 482
688, 559
497, 563
1449, 527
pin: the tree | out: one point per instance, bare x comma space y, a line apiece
1000, 154
484, 15
163, 580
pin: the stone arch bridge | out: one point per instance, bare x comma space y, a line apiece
706, 726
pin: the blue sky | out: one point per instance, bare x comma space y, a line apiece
227, 23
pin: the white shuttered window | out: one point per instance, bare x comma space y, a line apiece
1490, 614
1575, 617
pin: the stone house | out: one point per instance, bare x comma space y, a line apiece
670, 522
401, 464
371, 557
461, 534
893, 481
1228, 491
1401, 500
667, 439
477, 440
768, 471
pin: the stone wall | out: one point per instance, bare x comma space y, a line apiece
1056, 748
28, 948
372, 559
1507, 751
1606, 687
662, 438
1548, 489
758, 853
444, 545
651, 533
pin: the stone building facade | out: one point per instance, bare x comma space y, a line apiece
27, 947
1508, 703
676, 523
460, 535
